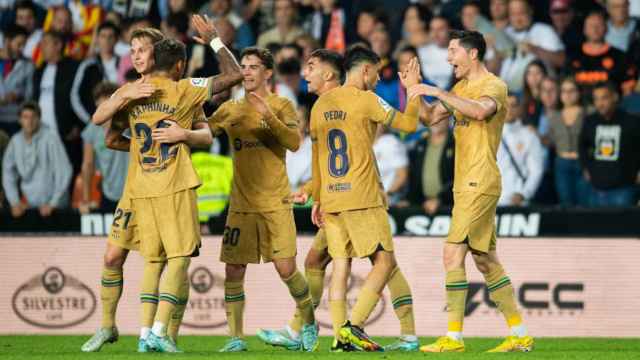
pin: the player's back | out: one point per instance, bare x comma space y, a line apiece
260, 181
343, 126
163, 169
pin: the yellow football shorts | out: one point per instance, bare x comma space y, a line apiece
320, 241
357, 233
473, 219
168, 226
123, 228
248, 237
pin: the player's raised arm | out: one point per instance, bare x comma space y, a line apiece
231, 73
479, 109
126, 93
285, 127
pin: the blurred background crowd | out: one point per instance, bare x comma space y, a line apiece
571, 138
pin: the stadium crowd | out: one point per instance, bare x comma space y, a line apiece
571, 137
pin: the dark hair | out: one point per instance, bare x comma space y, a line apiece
15, 30
527, 95
263, 54
293, 46
470, 40
109, 25
30, 105
56, 35
289, 67
179, 20
331, 58
609, 85
376, 12
104, 89
598, 12
131, 75
358, 54
26, 4
167, 53
424, 13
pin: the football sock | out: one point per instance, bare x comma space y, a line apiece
315, 280
110, 292
338, 310
234, 306
149, 291
366, 302
502, 294
173, 281
457, 288
178, 314
402, 301
299, 290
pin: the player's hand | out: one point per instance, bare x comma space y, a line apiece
45, 210
431, 206
18, 210
517, 199
299, 197
316, 215
411, 75
422, 89
136, 90
258, 103
169, 135
205, 28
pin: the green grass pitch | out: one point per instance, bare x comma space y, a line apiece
205, 347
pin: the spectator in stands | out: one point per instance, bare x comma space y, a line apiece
620, 26
387, 87
431, 169
534, 73
60, 20
26, 17
101, 67
96, 156
433, 57
520, 158
368, 20
598, 61
631, 102
534, 40
393, 164
16, 73
550, 101
299, 162
288, 73
415, 27
609, 150
222, 9
286, 30
52, 84
403, 56
566, 26
564, 135
499, 10
308, 45
328, 25
35, 168
168, 7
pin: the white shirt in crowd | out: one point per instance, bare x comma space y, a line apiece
391, 155
299, 164
47, 97
527, 152
620, 37
513, 67
433, 60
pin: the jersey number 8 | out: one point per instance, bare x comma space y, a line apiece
338, 156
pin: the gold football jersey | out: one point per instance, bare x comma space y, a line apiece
476, 168
260, 181
164, 169
343, 127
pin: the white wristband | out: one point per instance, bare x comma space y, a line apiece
216, 44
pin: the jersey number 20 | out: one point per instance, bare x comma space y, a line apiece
338, 156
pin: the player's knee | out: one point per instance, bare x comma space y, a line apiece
316, 260
285, 268
235, 272
482, 261
114, 258
453, 259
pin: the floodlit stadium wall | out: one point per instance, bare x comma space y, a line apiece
565, 287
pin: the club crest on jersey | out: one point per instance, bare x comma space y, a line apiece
385, 105
199, 82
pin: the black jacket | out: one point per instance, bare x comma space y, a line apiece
90, 73
65, 75
610, 150
416, 163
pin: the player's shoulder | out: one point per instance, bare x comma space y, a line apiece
279, 101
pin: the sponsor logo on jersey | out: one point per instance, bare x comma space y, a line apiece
239, 144
205, 307
339, 187
53, 300
199, 82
